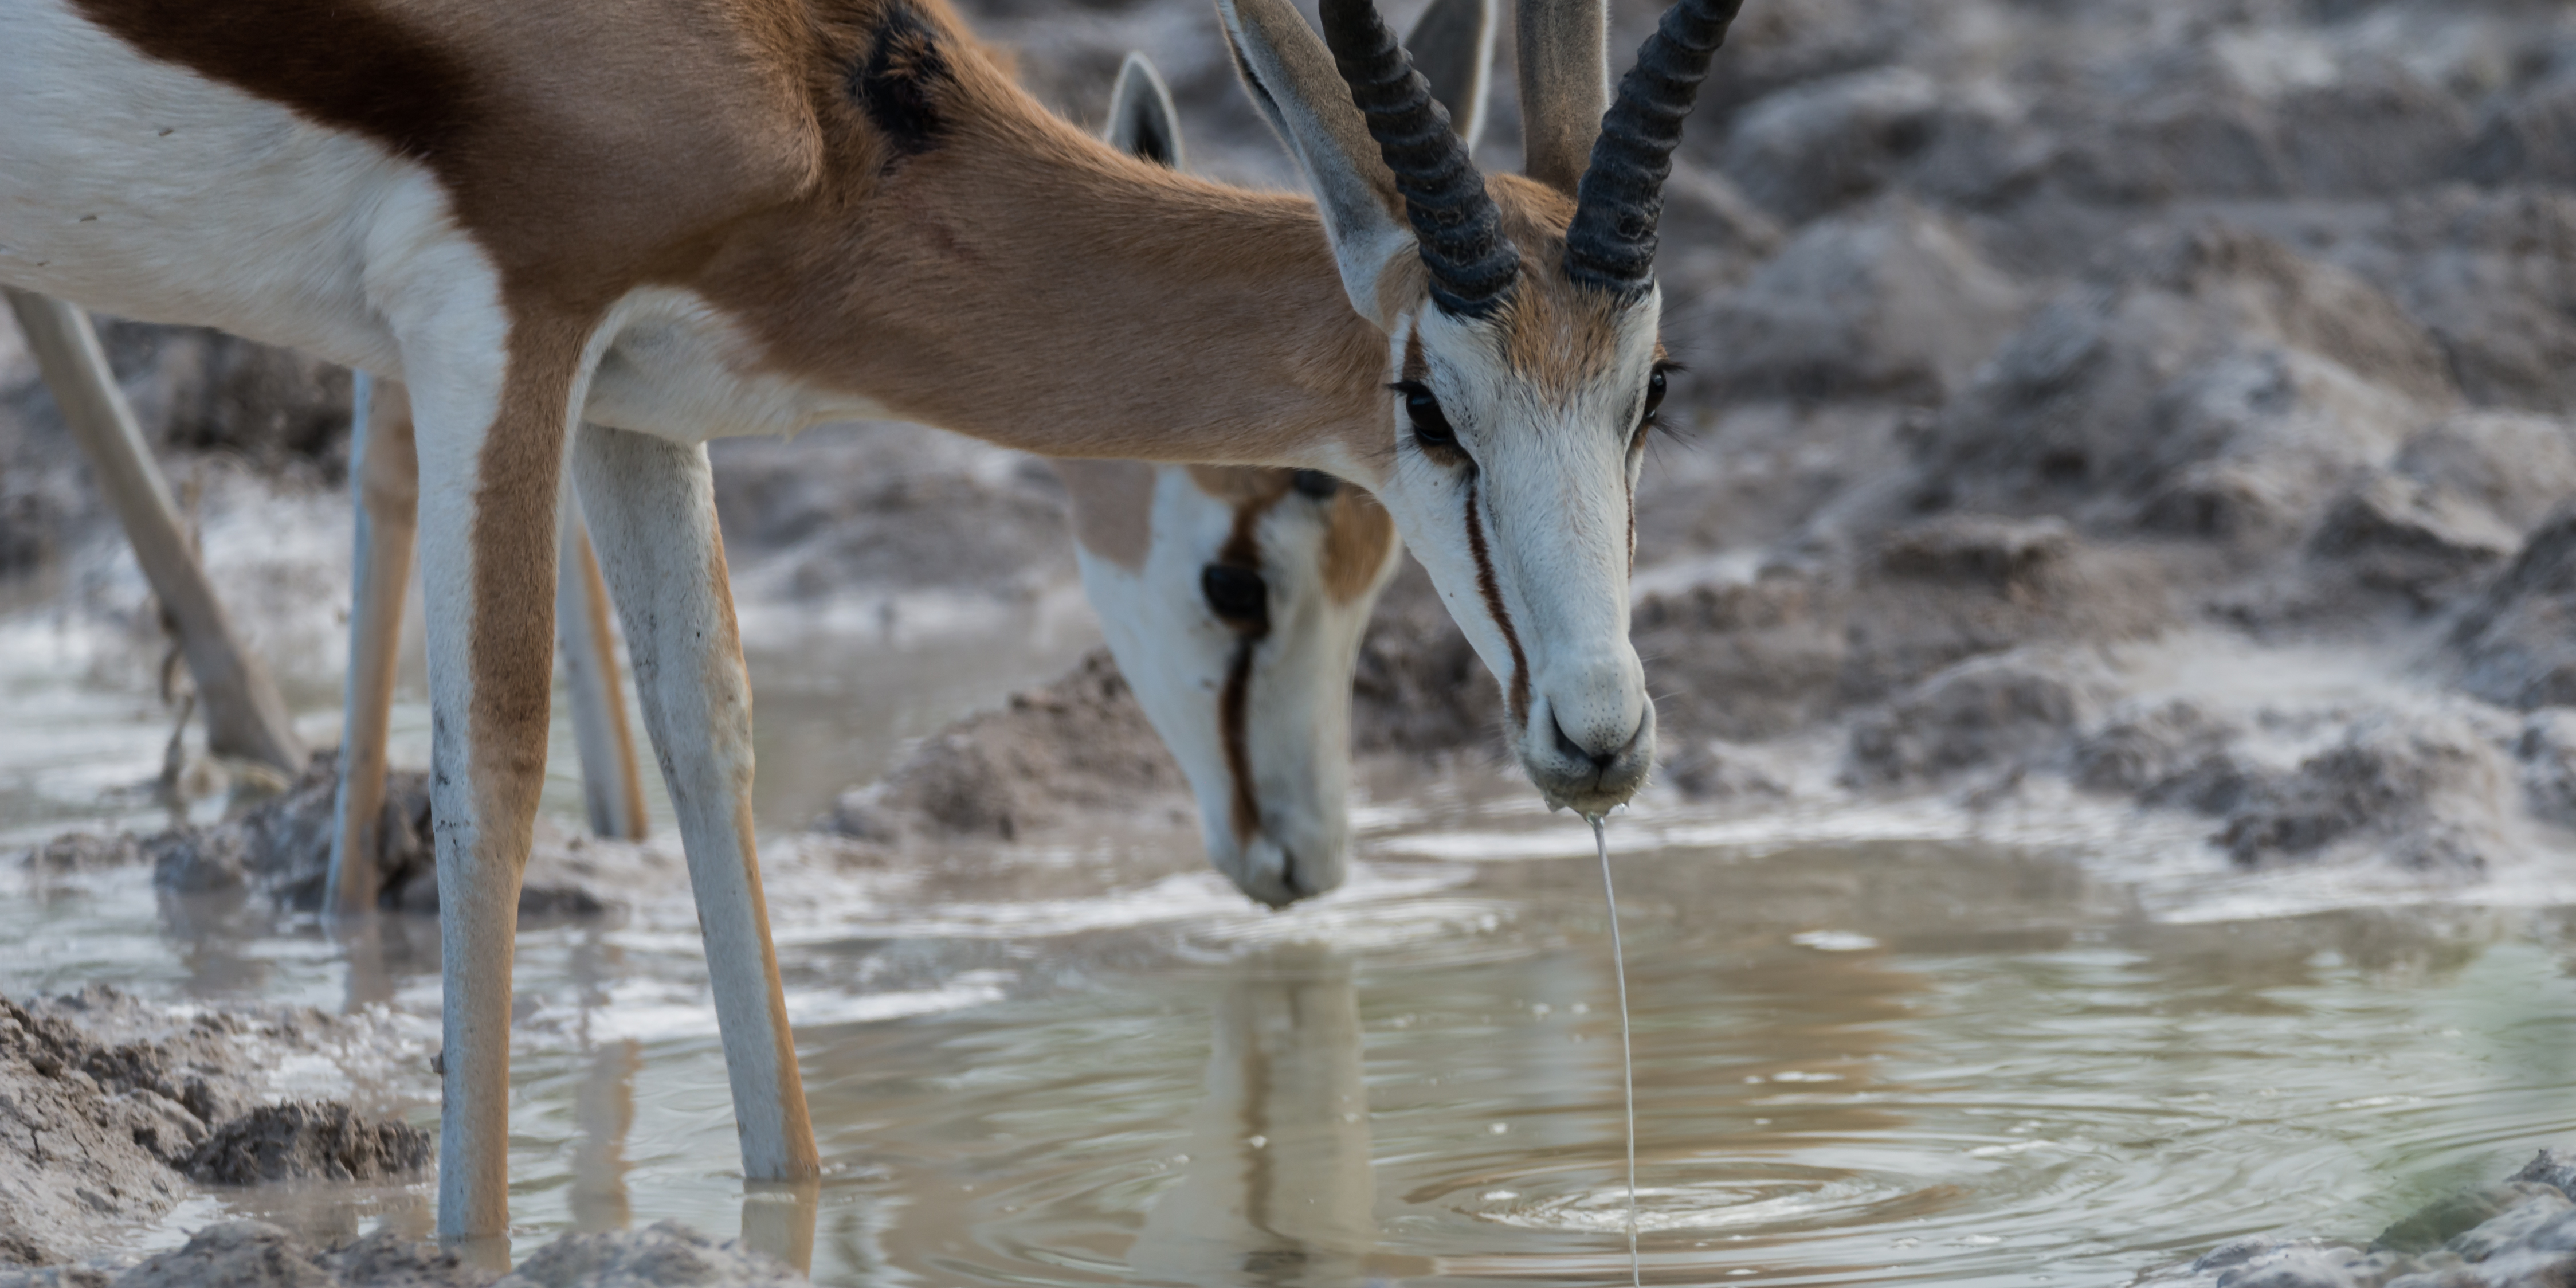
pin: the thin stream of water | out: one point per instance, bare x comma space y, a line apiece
1627, 1056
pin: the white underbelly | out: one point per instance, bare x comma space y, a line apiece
679, 369
138, 188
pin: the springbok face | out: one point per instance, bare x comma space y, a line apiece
1234, 600
1521, 318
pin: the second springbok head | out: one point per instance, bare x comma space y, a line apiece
1234, 597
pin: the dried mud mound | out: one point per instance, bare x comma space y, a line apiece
302, 1140
2516, 644
106, 1103
1078, 749
280, 851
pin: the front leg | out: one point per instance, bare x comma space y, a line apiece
491, 429
652, 512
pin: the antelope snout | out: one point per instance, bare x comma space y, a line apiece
1277, 871
1589, 742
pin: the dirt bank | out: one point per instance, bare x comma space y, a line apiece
108, 1106
253, 1254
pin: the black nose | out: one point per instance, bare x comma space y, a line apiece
1577, 751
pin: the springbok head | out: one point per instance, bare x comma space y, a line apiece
1520, 316
1234, 598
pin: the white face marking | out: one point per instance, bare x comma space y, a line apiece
1549, 480
1179, 657
138, 188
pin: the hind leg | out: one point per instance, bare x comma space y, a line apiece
612, 791
652, 513
385, 474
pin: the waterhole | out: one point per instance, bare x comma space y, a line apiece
1859, 1057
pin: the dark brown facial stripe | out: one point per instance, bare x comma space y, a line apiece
1632, 529
1233, 726
1245, 813
1516, 690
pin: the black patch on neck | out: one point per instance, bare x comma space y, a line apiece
900, 83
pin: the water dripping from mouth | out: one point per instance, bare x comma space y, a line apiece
1627, 1057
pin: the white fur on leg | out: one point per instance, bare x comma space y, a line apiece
455, 334
651, 509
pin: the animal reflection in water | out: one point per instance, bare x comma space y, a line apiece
1277, 1188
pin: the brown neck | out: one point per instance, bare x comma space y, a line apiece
1024, 284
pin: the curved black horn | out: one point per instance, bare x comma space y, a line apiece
1611, 244
1454, 221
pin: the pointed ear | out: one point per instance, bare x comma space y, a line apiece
1565, 87
1453, 48
1293, 81
1141, 120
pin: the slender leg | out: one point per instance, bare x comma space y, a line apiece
493, 426
384, 471
611, 787
244, 715
651, 506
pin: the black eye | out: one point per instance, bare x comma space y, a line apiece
1655, 391
1236, 594
1314, 483
1430, 424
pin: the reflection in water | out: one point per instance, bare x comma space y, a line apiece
778, 1219
1277, 1190
604, 1111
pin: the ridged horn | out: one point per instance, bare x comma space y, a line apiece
1611, 243
1455, 222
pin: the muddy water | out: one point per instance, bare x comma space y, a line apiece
1870, 1047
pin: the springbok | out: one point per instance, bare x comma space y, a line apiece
1233, 597
588, 238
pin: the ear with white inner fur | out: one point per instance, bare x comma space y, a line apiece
1142, 122
1453, 47
1565, 87
1293, 81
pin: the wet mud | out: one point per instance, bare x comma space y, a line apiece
108, 1106
2517, 1234
254, 1254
